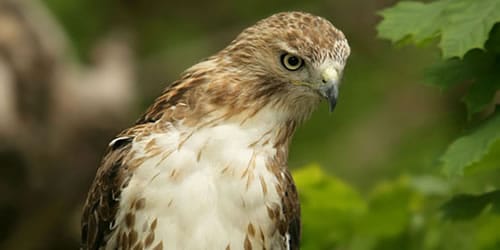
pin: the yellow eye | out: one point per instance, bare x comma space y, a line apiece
291, 62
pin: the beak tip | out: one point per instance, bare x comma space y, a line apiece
332, 103
331, 95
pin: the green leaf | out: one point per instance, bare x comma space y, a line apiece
469, 25
467, 206
489, 162
463, 25
447, 74
479, 68
483, 68
474, 149
418, 21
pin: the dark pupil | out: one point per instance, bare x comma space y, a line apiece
293, 61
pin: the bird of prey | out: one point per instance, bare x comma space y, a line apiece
206, 166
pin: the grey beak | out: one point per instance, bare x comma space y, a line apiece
331, 92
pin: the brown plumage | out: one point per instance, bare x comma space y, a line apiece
206, 165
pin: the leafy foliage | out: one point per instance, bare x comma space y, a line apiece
478, 68
462, 25
397, 214
469, 38
345, 219
480, 149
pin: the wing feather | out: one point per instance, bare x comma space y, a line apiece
291, 209
103, 199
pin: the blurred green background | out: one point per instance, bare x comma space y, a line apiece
368, 174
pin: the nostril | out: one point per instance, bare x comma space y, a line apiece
324, 81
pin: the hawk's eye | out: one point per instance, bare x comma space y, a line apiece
291, 62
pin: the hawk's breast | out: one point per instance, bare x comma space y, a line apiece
203, 188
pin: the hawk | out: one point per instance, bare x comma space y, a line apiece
206, 166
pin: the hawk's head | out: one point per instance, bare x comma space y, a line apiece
291, 60
302, 51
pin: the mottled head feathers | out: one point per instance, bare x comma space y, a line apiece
249, 73
311, 37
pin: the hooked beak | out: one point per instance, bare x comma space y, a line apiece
329, 88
